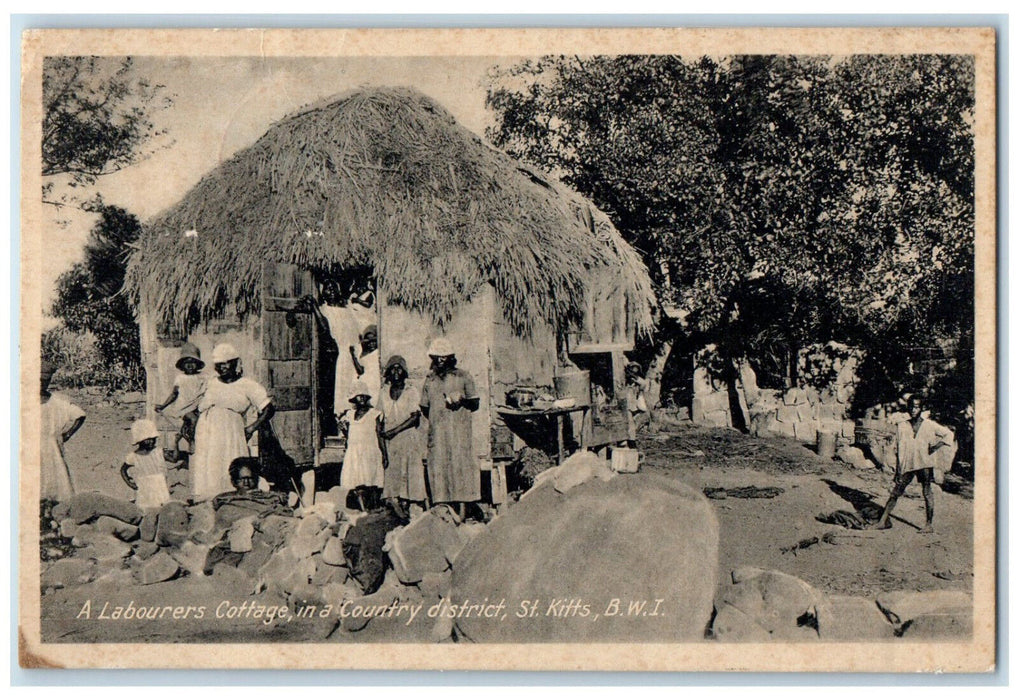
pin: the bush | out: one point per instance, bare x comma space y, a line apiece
80, 362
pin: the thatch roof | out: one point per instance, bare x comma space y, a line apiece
384, 178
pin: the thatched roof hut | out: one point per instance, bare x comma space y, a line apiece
383, 178
516, 270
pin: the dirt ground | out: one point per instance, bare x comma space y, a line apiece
760, 532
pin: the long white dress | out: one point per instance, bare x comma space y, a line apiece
362, 464
219, 436
58, 415
343, 327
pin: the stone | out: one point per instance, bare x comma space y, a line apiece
854, 456
306, 545
157, 568
435, 584
69, 572
144, 550
327, 573
334, 496
191, 556
68, 527
61, 511
201, 518
172, 524
386, 595
594, 544
902, 606
420, 546
795, 396
805, 413
787, 414
806, 431
240, 535
849, 429
957, 623
335, 593
332, 553
311, 524
442, 630
732, 625
305, 596
147, 527
105, 547
83, 507
783, 605
852, 619
118, 528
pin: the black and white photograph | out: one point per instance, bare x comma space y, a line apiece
655, 349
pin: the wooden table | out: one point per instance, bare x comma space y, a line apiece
551, 413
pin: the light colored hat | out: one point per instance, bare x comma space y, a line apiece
188, 351
224, 352
358, 389
440, 347
372, 328
143, 429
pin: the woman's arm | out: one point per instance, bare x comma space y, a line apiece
382, 442
69, 433
265, 414
413, 421
169, 400
127, 477
357, 364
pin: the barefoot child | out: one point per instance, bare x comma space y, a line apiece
148, 466
364, 461
188, 389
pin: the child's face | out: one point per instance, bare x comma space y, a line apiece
148, 444
246, 480
189, 366
361, 401
369, 342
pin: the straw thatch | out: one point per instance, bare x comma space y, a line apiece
382, 178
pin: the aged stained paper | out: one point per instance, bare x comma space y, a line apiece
271, 117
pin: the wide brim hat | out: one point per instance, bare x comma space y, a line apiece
143, 429
372, 328
440, 347
188, 351
224, 352
359, 388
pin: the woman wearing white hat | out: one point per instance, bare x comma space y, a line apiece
447, 401
223, 432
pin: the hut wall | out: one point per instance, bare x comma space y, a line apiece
408, 333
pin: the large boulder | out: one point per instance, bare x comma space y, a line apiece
781, 606
84, 507
631, 559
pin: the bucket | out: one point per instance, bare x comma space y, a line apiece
625, 460
825, 444
574, 384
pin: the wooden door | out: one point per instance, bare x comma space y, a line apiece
289, 361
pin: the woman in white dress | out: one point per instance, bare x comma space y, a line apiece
223, 433
60, 420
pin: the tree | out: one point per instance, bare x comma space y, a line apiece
96, 119
90, 297
778, 200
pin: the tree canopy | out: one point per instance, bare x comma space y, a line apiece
777, 199
96, 118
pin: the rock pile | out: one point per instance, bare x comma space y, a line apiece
760, 606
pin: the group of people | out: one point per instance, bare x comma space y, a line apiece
219, 414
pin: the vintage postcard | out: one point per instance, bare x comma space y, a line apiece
645, 349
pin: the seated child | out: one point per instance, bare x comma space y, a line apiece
364, 461
188, 389
144, 470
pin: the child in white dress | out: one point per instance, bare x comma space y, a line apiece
144, 470
363, 463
